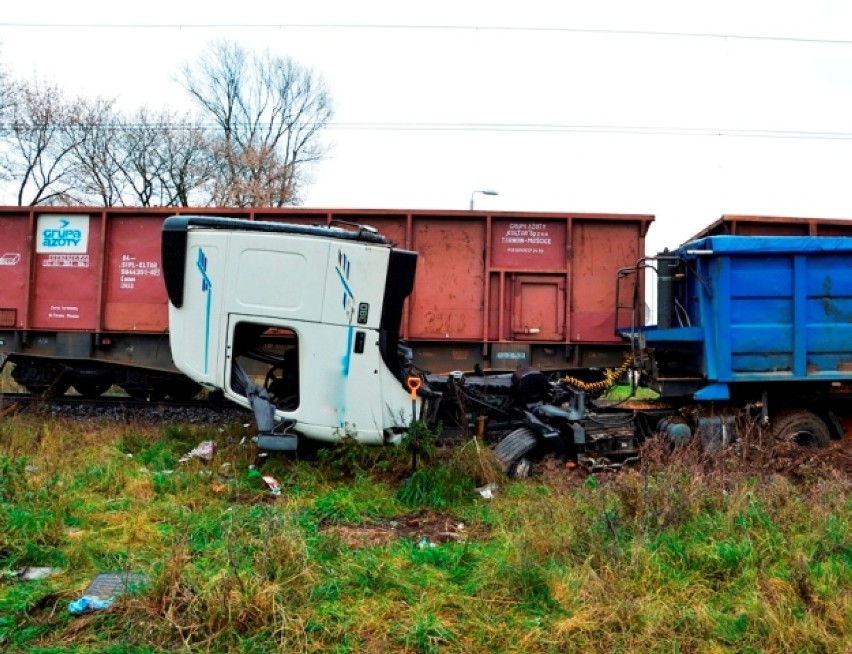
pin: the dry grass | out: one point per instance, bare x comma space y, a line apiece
743, 551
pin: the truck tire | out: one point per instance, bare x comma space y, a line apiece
512, 448
801, 427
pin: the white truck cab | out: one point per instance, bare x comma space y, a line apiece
302, 321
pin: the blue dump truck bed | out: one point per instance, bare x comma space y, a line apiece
758, 309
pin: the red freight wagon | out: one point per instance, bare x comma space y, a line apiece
82, 301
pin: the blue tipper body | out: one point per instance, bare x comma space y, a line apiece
763, 309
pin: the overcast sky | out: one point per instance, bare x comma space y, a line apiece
685, 109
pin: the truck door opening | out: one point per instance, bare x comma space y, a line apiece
268, 356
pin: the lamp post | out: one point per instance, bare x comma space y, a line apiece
488, 192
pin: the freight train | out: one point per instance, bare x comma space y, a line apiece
83, 304
751, 330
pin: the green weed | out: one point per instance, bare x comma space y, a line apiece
679, 555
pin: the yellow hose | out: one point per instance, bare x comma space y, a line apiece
610, 378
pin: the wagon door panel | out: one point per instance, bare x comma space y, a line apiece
538, 308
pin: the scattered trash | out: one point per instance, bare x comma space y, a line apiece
274, 486
488, 490
424, 543
522, 470
30, 469
31, 573
217, 488
88, 604
205, 450
113, 584
103, 589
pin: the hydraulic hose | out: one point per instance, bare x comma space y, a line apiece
611, 377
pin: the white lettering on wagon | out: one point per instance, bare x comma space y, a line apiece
66, 261
130, 270
67, 312
526, 238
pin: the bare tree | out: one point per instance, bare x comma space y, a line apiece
164, 160
188, 167
7, 100
268, 112
96, 154
43, 135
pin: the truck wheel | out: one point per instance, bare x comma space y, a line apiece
513, 446
801, 427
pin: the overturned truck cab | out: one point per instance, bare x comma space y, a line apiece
300, 323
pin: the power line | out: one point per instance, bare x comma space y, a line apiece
654, 130
403, 26
636, 130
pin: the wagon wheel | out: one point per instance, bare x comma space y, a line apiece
510, 450
92, 388
44, 381
800, 427
56, 389
181, 390
146, 393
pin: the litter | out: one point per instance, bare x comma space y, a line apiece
425, 542
103, 589
32, 573
113, 584
87, 604
487, 491
205, 450
272, 482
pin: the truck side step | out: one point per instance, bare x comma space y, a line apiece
278, 443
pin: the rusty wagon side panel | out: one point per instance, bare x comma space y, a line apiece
495, 289
502, 289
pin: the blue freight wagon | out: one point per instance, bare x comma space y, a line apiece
754, 321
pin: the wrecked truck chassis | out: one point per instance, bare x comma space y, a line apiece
530, 414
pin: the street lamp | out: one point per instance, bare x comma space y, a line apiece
488, 192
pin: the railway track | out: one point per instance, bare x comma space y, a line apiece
122, 408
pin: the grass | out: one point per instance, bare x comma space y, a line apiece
7, 384
670, 557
